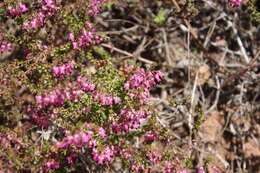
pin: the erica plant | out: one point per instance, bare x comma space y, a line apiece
63, 110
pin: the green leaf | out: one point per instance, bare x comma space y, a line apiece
160, 18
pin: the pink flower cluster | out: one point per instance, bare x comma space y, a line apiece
167, 167
52, 164
182, 171
40, 119
6, 141
47, 9
137, 167
235, 3
38, 21
86, 139
57, 97
5, 46
130, 121
71, 157
85, 86
102, 132
154, 157
103, 156
64, 69
96, 6
126, 155
48, 5
86, 39
79, 140
216, 169
150, 137
107, 100
140, 82
143, 79
201, 170
17, 12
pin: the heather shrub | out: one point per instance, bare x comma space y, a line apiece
64, 106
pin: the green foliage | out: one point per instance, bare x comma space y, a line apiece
160, 17
188, 162
255, 15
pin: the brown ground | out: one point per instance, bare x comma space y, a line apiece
210, 55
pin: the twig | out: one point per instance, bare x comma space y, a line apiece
166, 47
226, 49
188, 45
240, 44
209, 34
193, 93
119, 32
216, 99
190, 29
225, 163
127, 53
243, 50
176, 5
140, 48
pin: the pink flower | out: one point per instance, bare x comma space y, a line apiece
69, 67
75, 45
182, 171
92, 143
103, 101
13, 12
33, 24
38, 99
86, 137
69, 160
61, 144
102, 156
236, 3
137, 167
150, 137
116, 100
70, 139
46, 101
25, 25
44, 47
216, 169
109, 101
158, 76
5, 143
126, 86
126, 155
71, 157
154, 157
77, 139
71, 37
52, 164
102, 132
56, 71
62, 70
5, 47
167, 167
201, 170
10, 137
22, 7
